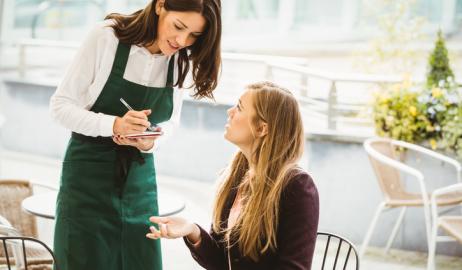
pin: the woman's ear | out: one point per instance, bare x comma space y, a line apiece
159, 6
262, 129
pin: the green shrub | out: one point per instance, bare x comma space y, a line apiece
398, 115
438, 62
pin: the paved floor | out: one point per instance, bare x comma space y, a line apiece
198, 198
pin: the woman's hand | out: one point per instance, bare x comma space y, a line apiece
143, 144
132, 122
174, 227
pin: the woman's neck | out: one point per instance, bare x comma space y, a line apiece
249, 161
154, 48
247, 152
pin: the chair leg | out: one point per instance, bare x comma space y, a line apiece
432, 248
398, 223
428, 224
370, 230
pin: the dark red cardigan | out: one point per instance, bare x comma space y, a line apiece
298, 224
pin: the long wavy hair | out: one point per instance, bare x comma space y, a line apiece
274, 159
140, 28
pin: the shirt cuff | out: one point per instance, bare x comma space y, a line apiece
154, 147
194, 245
106, 124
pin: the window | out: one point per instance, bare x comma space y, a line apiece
58, 19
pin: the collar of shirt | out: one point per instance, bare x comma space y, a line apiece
134, 49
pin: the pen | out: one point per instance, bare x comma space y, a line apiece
131, 109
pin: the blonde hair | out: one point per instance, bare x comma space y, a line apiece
275, 158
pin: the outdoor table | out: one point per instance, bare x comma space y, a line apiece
44, 204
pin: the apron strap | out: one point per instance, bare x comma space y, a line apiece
120, 60
171, 65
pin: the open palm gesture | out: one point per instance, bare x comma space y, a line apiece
170, 227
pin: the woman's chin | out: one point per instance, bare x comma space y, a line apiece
226, 136
168, 51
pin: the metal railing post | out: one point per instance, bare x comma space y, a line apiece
22, 60
331, 107
268, 72
200, 117
304, 84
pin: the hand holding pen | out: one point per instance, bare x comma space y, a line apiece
132, 122
131, 109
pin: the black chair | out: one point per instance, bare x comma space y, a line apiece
339, 255
14, 248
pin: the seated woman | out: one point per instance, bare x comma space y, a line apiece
267, 209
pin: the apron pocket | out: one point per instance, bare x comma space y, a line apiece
88, 189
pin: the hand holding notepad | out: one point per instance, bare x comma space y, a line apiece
146, 134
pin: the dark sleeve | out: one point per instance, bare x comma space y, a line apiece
298, 224
209, 254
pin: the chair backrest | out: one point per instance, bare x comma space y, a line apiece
388, 177
20, 260
451, 223
12, 193
337, 252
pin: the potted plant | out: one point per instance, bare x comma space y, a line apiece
430, 115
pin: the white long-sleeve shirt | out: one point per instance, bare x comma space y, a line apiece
86, 76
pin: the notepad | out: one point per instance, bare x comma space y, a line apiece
146, 134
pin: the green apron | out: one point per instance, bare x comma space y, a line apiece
108, 192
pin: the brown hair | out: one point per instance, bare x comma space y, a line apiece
140, 28
275, 161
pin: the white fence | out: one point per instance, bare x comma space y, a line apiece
333, 102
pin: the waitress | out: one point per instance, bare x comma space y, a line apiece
108, 184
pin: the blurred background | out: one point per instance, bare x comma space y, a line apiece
336, 56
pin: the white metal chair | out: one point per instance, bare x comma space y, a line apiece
451, 224
15, 222
6, 230
387, 166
